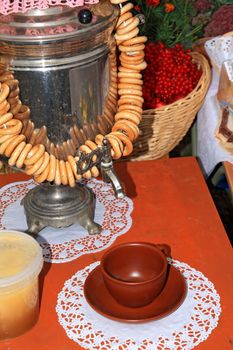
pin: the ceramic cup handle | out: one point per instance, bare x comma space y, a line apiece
165, 248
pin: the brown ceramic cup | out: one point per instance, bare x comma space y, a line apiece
135, 272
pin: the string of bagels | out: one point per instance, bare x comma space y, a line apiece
30, 149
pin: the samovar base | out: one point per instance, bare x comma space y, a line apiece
60, 206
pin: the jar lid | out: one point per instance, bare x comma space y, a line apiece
21, 258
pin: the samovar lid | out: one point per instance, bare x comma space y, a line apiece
58, 22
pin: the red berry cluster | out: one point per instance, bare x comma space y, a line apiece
169, 76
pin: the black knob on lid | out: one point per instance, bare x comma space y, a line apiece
85, 16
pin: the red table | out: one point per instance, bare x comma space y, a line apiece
171, 205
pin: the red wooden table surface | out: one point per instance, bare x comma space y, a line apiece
171, 205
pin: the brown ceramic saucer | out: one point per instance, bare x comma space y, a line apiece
99, 298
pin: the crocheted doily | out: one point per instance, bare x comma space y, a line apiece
66, 244
9, 6
184, 329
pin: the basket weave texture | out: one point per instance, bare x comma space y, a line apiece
163, 128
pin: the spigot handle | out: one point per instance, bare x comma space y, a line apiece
108, 172
101, 156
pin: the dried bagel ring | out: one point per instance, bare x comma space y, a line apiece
35, 153
5, 118
134, 81
122, 126
128, 35
108, 114
44, 164
130, 107
10, 148
132, 74
73, 165
3, 106
29, 129
14, 92
121, 145
4, 92
79, 134
71, 147
99, 139
128, 116
40, 137
12, 127
87, 175
125, 140
33, 136
6, 143
132, 48
110, 105
52, 148
23, 113
124, 17
52, 168
117, 2
128, 27
117, 153
13, 100
59, 152
6, 109
70, 175
124, 69
130, 91
125, 23
136, 62
57, 179
32, 169
13, 84
138, 100
126, 8
88, 131
16, 108
16, 153
136, 40
132, 57
7, 75
102, 128
135, 129
95, 171
135, 66
74, 137
92, 145
63, 172
129, 86
23, 155
43, 176
4, 138
25, 125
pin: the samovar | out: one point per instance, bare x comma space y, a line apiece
63, 59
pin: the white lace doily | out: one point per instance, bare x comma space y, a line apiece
66, 244
219, 49
184, 329
209, 151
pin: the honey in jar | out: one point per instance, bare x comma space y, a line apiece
21, 261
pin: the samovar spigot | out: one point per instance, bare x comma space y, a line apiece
101, 156
108, 171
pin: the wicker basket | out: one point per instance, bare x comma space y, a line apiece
163, 128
